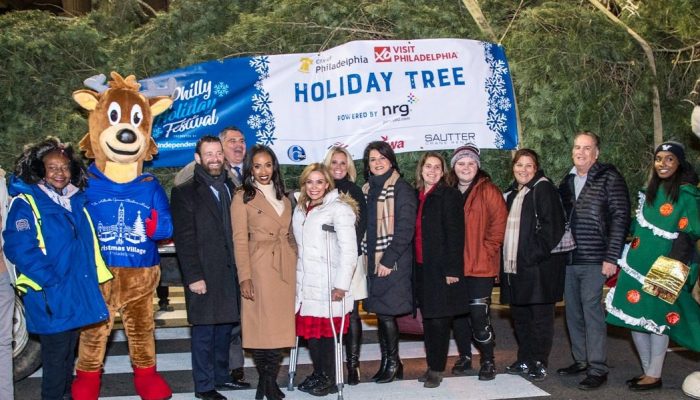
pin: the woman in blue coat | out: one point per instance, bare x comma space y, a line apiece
50, 239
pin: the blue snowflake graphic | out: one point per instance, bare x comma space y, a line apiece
157, 131
498, 102
262, 121
221, 89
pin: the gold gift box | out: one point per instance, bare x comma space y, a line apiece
666, 278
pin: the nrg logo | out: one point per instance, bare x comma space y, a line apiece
401, 109
296, 153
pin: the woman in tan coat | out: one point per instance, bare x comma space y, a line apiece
266, 262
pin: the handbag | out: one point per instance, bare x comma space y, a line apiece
567, 242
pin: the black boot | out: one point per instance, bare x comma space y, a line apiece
381, 336
394, 367
352, 347
273, 361
260, 365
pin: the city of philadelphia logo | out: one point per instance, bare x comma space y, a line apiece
296, 153
133, 233
305, 64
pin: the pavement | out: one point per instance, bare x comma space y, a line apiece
174, 362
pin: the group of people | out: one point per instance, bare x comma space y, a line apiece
262, 267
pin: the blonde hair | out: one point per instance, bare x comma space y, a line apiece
315, 167
352, 172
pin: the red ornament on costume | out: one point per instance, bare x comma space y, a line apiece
633, 296
673, 318
666, 209
635, 243
683, 223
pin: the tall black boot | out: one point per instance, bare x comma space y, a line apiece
352, 346
260, 365
381, 336
272, 365
394, 367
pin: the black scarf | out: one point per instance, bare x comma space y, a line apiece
219, 184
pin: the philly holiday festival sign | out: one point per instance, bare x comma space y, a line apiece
427, 94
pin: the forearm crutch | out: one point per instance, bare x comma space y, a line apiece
337, 336
293, 365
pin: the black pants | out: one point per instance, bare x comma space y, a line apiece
436, 334
210, 346
58, 360
478, 319
534, 331
322, 352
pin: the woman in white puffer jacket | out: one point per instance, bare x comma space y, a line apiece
320, 204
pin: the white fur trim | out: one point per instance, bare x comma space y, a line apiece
648, 225
642, 322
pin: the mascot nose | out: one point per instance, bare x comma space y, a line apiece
126, 136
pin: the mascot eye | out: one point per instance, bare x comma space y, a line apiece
114, 112
136, 115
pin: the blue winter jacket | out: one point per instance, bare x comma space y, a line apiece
67, 274
119, 212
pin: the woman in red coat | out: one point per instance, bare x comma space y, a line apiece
485, 223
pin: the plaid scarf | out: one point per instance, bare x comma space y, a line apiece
510, 243
385, 219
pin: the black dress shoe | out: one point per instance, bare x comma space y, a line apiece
518, 368
592, 382
640, 387
233, 385
573, 369
210, 395
634, 380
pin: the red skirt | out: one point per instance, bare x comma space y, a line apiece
310, 327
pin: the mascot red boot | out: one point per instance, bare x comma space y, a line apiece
130, 212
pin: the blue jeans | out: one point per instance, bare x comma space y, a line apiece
585, 316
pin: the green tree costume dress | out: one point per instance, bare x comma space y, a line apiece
654, 230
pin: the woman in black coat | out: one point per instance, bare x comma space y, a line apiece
532, 278
439, 240
391, 220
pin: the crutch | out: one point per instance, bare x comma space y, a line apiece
293, 365
337, 336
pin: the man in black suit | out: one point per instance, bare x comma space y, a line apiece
203, 238
234, 144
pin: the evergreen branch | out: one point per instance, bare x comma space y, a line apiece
682, 49
517, 10
332, 28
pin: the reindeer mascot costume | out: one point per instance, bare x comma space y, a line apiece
130, 212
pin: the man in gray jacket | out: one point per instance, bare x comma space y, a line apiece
596, 199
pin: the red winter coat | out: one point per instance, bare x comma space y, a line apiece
485, 216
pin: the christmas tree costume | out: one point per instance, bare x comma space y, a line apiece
654, 230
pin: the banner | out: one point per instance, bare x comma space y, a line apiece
427, 94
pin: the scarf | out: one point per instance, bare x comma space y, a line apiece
62, 198
385, 218
512, 236
218, 183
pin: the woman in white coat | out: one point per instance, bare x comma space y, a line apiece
320, 204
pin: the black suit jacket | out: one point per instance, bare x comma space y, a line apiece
203, 254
